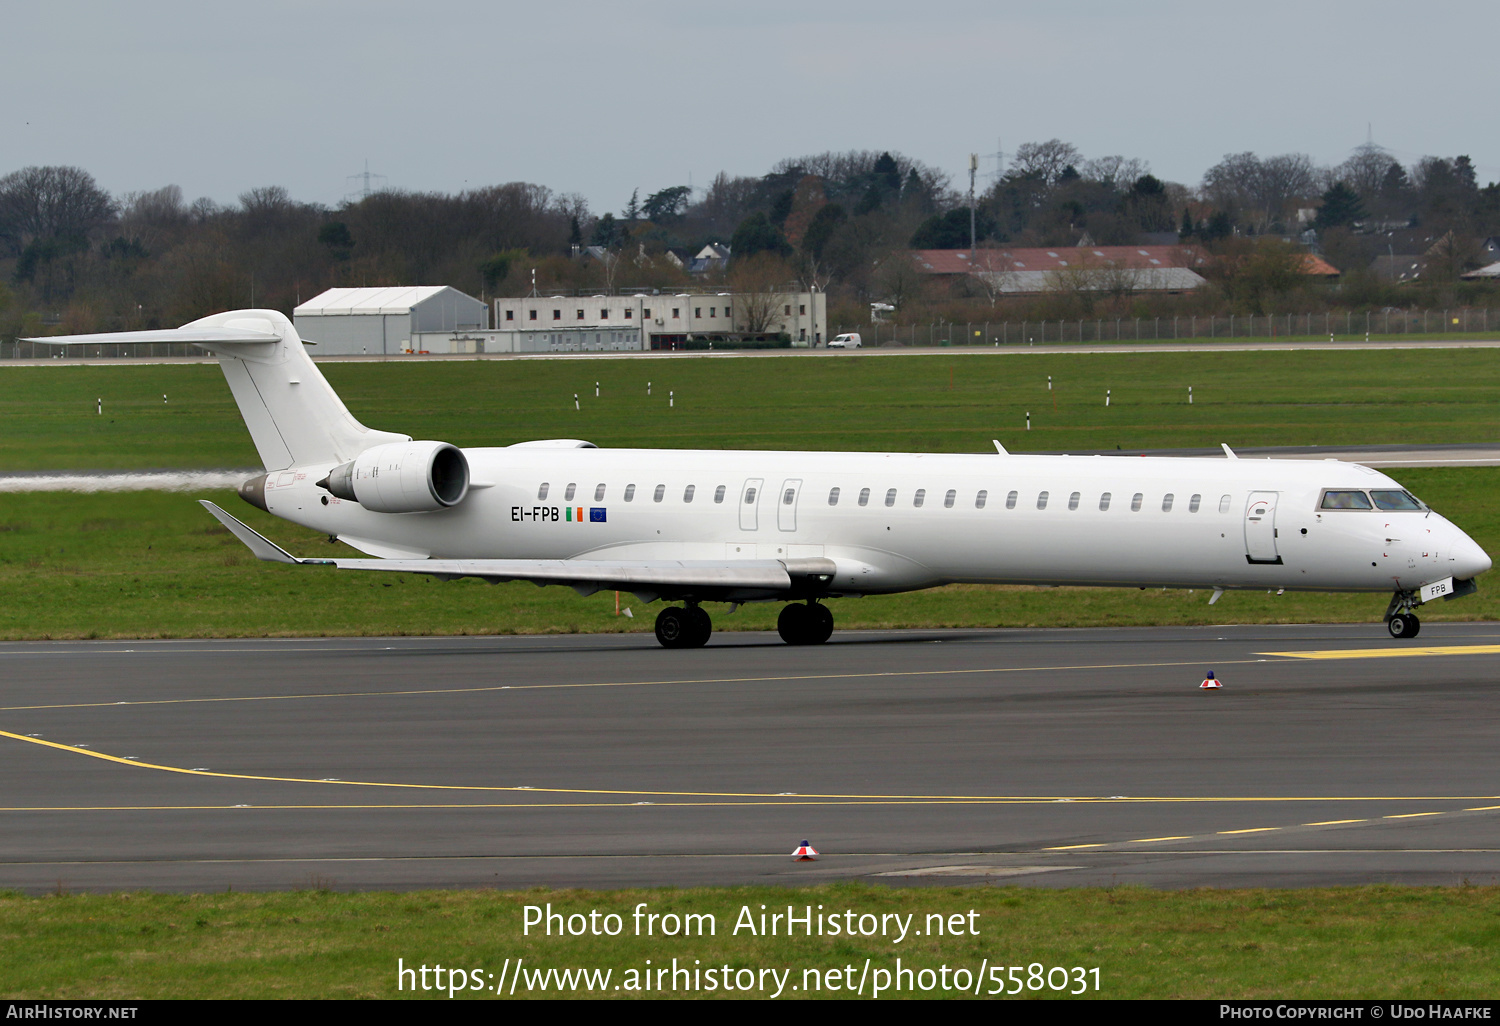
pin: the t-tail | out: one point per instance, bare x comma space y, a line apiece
294, 416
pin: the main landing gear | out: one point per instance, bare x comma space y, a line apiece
679, 627
1399, 620
688, 626
809, 624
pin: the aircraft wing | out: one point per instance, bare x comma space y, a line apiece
729, 579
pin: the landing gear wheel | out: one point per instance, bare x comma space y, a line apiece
674, 627
792, 624
809, 624
1403, 625
820, 625
677, 627
703, 627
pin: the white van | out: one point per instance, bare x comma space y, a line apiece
848, 340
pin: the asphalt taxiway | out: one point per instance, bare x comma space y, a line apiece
1048, 757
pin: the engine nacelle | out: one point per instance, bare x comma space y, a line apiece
402, 477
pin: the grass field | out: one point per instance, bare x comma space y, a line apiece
850, 401
1365, 942
155, 565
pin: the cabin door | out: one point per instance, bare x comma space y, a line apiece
750, 503
1260, 528
786, 504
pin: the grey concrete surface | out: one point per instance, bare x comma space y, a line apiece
601, 761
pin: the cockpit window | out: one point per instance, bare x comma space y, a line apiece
1391, 498
1345, 500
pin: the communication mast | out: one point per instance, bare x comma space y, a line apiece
973, 170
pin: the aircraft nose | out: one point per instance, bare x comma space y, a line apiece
1466, 559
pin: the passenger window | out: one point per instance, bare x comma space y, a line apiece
1104, 502
833, 497
719, 494
749, 496
979, 499
1386, 498
1224, 504
599, 494
1194, 502
1010, 500
541, 493
1073, 501
790, 497
1345, 500
1166, 503
568, 495
661, 491
949, 499
864, 496
890, 497
919, 498
1135, 502
687, 493
1041, 501
629, 492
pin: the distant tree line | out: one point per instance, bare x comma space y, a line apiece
73, 255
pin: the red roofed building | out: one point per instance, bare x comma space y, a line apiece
1019, 271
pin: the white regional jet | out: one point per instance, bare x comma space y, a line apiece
803, 527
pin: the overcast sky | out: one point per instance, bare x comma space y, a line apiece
599, 98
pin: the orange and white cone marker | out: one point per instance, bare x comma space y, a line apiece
805, 853
1210, 683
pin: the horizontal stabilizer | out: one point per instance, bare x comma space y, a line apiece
193, 336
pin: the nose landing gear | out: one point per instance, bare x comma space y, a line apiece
1400, 621
1403, 625
809, 624
679, 627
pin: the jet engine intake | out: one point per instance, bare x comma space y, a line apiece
402, 477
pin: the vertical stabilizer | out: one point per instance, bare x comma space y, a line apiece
294, 416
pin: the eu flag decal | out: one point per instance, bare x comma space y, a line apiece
596, 515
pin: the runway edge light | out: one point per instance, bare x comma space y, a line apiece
805, 853
1210, 683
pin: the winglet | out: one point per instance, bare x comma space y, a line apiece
263, 547
999, 448
1228, 451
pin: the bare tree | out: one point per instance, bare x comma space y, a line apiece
1256, 190
51, 203
759, 283
1117, 172
1365, 170
994, 271
1046, 160
897, 279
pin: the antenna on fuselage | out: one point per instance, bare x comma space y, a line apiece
999, 448
1228, 451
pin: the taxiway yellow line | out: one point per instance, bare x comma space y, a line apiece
1387, 653
797, 799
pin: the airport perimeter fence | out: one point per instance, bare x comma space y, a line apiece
136, 350
1346, 325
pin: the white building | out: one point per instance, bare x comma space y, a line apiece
385, 320
667, 321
